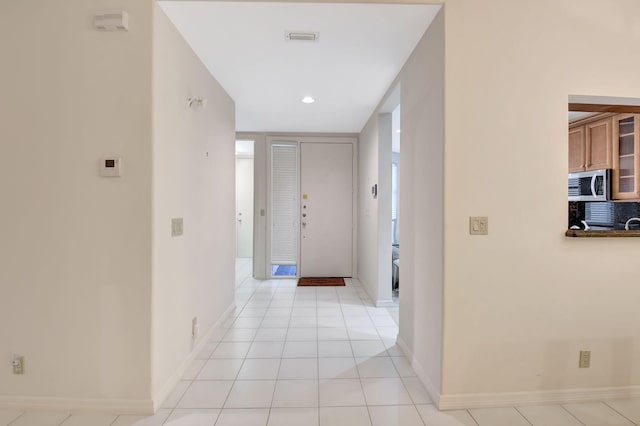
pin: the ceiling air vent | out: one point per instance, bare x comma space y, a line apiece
301, 36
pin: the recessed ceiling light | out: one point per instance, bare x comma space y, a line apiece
308, 100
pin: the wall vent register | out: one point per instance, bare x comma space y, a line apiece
301, 36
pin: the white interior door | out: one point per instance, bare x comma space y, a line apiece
326, 209
244, 207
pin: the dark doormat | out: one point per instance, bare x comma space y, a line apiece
320, 282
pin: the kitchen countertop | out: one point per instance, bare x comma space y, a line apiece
601, 233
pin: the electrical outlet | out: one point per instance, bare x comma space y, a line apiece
585, 359
18, 365
194, 327
478, 225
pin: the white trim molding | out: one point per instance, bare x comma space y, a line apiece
379, 303
509, 399
88, 405
432, 390
561, 396
171, 383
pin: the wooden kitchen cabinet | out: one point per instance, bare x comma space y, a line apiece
590, 146
577, 149
598, 144
626, 156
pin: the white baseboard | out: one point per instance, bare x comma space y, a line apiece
171, 383
378, 303
562, 396
509, 399
364, 285
120, 406
432, 390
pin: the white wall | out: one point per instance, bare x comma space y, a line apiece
385, 137
421, 205
521, 302
421, 98
374, 214
193, 176
368, 207
76, 248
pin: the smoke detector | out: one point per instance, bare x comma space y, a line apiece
312, 36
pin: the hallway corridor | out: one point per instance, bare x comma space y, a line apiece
301, 356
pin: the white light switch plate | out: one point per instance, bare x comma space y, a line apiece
177, 227
478, 225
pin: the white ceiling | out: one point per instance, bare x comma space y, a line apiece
361, 49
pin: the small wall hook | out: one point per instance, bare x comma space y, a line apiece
196, 102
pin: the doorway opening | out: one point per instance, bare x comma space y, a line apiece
395, 202
244, 208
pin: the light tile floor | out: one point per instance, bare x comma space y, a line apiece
316, 356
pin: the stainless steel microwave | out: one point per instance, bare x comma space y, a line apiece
594, 185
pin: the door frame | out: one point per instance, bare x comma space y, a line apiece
297, 140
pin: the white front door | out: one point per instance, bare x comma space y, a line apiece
326, 209
244, 207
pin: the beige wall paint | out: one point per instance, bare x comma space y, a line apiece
521, 302
193, 176
76, 248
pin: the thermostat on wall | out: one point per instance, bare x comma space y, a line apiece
111, 167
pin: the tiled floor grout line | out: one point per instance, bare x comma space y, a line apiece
522, 415
242, 365
571, 414
473, 418
64, 420
619, 413
364, 396
240, 369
